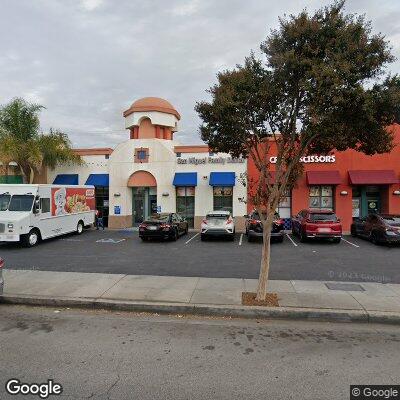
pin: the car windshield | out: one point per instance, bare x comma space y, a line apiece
21, 202
393, 220
217, 216
4, 201
323, 217
159, 218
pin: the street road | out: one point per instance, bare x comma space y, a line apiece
122, 252
105, 355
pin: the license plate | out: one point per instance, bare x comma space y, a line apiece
152, 228
324, 230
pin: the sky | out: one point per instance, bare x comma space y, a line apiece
86, 61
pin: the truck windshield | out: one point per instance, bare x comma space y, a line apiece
4, 201
21, 202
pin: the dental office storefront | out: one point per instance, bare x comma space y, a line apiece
151, 172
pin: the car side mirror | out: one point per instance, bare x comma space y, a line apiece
338, 220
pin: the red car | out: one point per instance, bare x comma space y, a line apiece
315, 223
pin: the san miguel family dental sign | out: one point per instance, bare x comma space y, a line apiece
310, 159
210, 160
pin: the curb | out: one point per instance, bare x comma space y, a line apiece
256, 312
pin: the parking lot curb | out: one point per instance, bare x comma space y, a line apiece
235, 311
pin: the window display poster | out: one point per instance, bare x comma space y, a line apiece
180, 191
315, 202
356, 208
222, 191
326, 202
326, 191
314, 191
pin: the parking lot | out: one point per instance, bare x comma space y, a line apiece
123, 252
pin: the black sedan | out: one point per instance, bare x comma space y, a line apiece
163, 226
379, 228
254, 228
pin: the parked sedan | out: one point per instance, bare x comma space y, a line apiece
218, 223
379, 228
254, 228
316, 223
163, 226
1, 276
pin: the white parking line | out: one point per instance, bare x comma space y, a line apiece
350, 243
294, 243
241, 238
197, 234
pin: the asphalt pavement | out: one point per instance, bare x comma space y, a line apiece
104, 355
122, 252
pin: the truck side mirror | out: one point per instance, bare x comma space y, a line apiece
36, 206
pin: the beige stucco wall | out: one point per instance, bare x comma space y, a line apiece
94, 164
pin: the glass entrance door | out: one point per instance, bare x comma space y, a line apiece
144, 203
138, 203
185, 203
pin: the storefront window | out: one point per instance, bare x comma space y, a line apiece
284, 207
321, 197
185, 196
223, 198
102, 202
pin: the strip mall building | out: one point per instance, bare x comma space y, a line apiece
152, 172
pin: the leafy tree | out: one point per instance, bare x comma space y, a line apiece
22, 142
320, 85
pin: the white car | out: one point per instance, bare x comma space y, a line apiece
218, 223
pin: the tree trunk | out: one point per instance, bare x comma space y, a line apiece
265, 260
31, 175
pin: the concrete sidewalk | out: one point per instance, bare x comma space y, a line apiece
364, 301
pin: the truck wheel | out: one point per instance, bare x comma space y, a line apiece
32, 238
79, 228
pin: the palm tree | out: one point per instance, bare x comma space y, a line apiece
22, 142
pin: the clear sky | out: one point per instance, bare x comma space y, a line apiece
87, 60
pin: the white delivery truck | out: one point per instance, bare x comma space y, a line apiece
29, 213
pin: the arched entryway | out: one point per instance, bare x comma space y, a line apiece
144, 195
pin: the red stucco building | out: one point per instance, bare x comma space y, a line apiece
349, 182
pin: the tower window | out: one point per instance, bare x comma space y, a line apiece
142, 155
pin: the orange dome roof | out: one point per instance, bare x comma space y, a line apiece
152, 104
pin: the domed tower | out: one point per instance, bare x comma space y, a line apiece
151, 118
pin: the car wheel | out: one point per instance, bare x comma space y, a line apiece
249, 238
303, 237
175, 236
187, 230
232, 237
79, 228
336, 240
374, 238
279, 239
32, 238
144, 239
353, 231
203, 238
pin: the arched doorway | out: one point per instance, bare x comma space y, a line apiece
144, 195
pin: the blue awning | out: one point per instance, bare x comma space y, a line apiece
185, 179
222, 179
66, 179
98, 180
